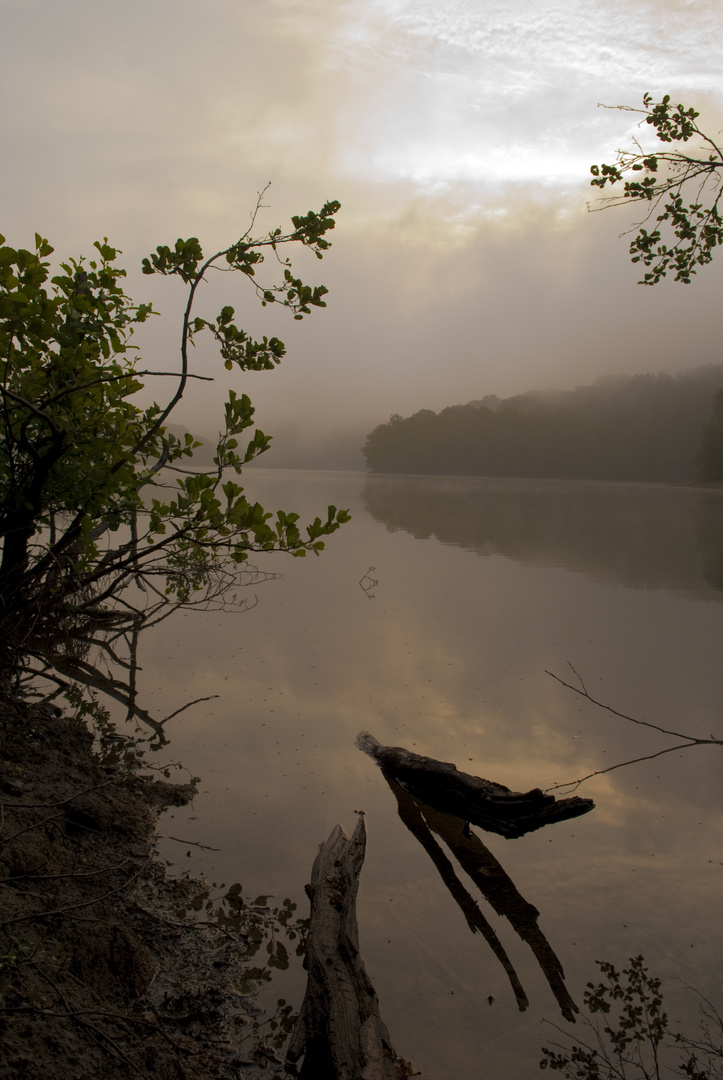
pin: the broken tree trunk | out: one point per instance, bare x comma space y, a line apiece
339, 1031
491, 806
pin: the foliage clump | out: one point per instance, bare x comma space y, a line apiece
635, 1041
91, 541
664, 182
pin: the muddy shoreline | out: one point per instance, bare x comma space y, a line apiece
109, 966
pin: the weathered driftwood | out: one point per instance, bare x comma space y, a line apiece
339, 1030
492, 806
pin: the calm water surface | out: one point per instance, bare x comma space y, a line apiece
483, 585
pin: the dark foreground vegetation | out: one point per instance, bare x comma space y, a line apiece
644, 427
630, 1036
109, 968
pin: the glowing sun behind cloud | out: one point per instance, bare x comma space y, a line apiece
476, 92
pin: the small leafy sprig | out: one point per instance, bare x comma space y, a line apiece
635, 1041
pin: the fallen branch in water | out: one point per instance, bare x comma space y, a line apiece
480, 802
412, 814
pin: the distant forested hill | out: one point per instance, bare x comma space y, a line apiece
641, 427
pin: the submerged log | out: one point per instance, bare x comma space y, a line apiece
339, 1031
491, 806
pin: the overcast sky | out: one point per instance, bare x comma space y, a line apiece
457, 136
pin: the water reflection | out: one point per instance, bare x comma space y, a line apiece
473, 857
96, 662
634, 534
367, 583
710, 543
449, 660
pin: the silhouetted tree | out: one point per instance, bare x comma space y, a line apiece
709, 459
88, 537
645, 427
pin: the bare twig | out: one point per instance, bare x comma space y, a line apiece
73, 907
36, 825
688, 740
573, 785
633, 720
367, 582
62, 802
577, 676
188, 705
194, 925
97, 1034
73, 874
192, 842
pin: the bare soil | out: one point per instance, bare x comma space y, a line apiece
109, 967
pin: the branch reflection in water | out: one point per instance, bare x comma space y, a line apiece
97, 662
497, 809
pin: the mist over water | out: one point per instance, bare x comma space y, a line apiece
639, 535
481, 586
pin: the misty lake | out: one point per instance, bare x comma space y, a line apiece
478, 587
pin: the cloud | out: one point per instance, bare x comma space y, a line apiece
457, 138
475, 91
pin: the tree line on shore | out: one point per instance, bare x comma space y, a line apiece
653, 427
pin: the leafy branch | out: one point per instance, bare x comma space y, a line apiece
91, 546
635, 1041
661, 181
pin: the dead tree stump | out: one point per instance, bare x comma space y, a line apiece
339, 1031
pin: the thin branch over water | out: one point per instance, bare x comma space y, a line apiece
582, 691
